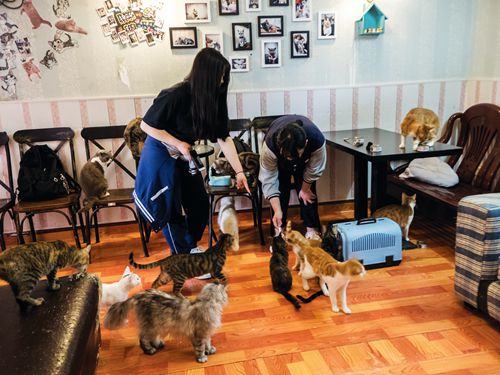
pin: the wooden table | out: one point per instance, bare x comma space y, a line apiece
390, 151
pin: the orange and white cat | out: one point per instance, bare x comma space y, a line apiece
296, 240
422, 125
402, 214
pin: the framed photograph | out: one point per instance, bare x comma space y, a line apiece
140, 34
271, 53
229, 7
112, 21
242, 36
109, 4
254, 5
115, 37
299, 44
213, 40
106, 29
279, 3
124, 39
150, 39
197, 11
301, 10
182, 37
239, 64
134, 41
326, 25
101, 12
270, 25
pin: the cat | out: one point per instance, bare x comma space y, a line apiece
118, 291
242, 40
422, 124
92, 178
297, 241
32, 13
327, 29
5, 25
299, 44
24, 47
180, 267
228, 220
249, 161
59, 45
23, 265
160, 314
70, 26
135, 137
334, 276
332, 243
271, 56
401, 214
9, 85
30, 68
281, 277
49, 60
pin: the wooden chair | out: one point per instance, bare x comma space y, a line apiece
64, 136
6, 204
215, 193
477, 130
117, 197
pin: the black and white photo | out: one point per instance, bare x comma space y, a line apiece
229, 7
299, 44
239, 64
326, 25
183, 37
214, 40
197, 11
242, 36
301, 10
279, 3
271, 53
253, 5
270, 25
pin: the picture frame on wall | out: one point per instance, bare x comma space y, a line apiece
242, 36
253, 5
302, 10
279, 3
326, 25
214, 40
271, 53
197, 11
300, 45
270, 26
183, 37
229, 7
239, 64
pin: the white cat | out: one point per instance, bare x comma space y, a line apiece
118, 291
228, 221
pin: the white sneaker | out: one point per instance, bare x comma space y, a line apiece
313, 235
197, 250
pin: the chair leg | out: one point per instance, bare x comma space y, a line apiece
143, 237
88, 228
82, 226
259, 219
210, 217
19, 229
74, 225
32, 227
96, 228
2, 239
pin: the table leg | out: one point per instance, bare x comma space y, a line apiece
379, 184
360, 188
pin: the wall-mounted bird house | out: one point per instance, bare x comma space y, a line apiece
372, 22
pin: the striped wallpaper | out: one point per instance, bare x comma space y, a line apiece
337, 108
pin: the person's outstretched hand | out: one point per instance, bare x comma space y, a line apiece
307, 196
241, 182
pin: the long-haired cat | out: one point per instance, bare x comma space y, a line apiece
118, 291
135, 137
93, 179
422, 125
281, 277
160, 314
22, 266
228, 220
401, 214
180, 267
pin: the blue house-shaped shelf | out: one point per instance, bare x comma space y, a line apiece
372, 22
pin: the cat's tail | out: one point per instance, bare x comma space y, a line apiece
289, 298
310, 298
117, 314
88, 203
142, 266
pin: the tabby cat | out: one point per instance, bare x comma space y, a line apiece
422, 124
249, 161
22, 266
159, 314
180, 267
281, 276
401, 214
332, 243
135, 137
93, 179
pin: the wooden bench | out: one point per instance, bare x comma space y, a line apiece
477, 130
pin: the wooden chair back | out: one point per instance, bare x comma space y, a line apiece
29, 137
7, 185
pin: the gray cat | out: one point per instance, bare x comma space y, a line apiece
92, 178
159, 314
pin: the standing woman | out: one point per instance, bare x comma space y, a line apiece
165, 186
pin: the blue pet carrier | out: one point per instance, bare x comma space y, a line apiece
375, 242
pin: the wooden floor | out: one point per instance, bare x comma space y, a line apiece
405, 319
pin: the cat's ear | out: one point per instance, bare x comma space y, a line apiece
87, 249
126, 271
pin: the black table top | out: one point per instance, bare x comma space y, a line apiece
390, 145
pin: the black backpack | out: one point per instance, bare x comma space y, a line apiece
42, 176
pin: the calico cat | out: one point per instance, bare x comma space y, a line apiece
180, 267
281, 276
401, 214
22, 266
422, 124
297, 241
160, 314
228, 220
93, 180
118, 291
135, 137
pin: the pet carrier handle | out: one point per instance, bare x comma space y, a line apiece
368, 220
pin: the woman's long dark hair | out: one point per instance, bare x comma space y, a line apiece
208, 95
